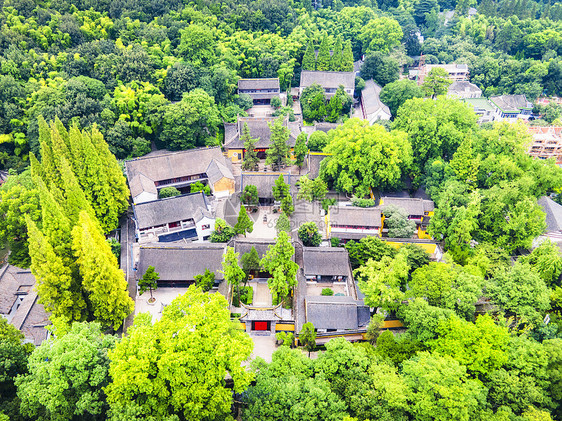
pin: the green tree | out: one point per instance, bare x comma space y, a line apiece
546, 261
168, 192
102, 280
368, 248
149, 281
436, 83
381, 68
309, 59
300, 150
307, 337
178, 365
14, 355
397, 349
323, 61
311, 190
280, 188
244, 224
251, 160
381, 281
67, 375
381, 34
399, 226
313, 103
347, 58
190, 123
440, 389
365, 157
250, 261
250, 195
287, 205
337, 56
206, 280
309, 235
233, 273
521, 292
278, 262
395, 94
222, 233
317, 141
435, 128
283, 223
200, 187
278, 152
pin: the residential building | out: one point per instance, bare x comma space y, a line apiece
259, 129
457, 72
330, 81
511, 107
185, 217
261, 90
547, 143
353, 223
264, 182
372, 108
19, 304
179, 265
553, 213
418, 210
483, 108
326, 265
464, 89
151, 173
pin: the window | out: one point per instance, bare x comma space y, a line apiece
174, 224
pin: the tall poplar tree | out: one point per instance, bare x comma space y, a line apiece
324, 60
347, 58
301, 150
309, 59
244, 224
337, 56
278, 152
251, 159
102, 279
232, 271
278, 262
56, 287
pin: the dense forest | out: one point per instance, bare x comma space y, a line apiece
148, 73
84, 84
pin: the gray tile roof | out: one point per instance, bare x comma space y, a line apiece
170, 209
182, 263
511, 103
259, 83
244, 246
370, 98
265, 182
218, 170
463, 86
30, 317
314, 160
326, 127
143, 172
332, 312
326, 261
553, 213
412, 206
355, 216
328, 80
259, 129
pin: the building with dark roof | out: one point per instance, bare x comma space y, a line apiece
511, 107
483, 108
418, 210
3, 176
185, 217
149, 174
259, 129
178, 266
464, 89
330, 81
261, 90
264, 182
313, 160
353, 223
19, 304
326, 264
372, 107
456, 72
336, 313
553, 218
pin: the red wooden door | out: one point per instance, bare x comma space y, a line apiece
261, 326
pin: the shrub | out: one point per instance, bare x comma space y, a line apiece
362, 203
335, 242
250, 195
327, 291
309, 235
275, 102
197, 187
317, 141
206, 280
168, 192
246, 296
222, 233
115, 247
